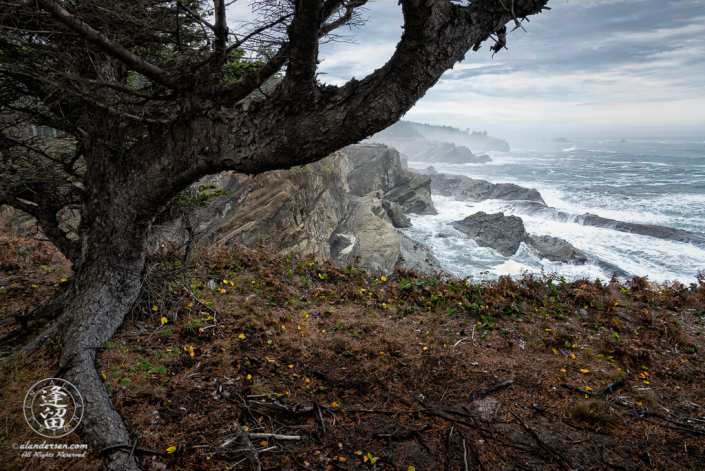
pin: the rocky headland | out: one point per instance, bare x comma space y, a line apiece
347, 207
415, 142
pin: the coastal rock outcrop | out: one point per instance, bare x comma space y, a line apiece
367, 232
506, 233
540, 209
556, 249
497, 231
374, 168
293, 210
659, 232
463, 188
347, 207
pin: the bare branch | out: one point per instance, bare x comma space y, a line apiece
135, 62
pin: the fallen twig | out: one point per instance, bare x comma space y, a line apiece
450, 437
465, 455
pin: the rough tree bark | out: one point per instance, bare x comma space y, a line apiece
124, 190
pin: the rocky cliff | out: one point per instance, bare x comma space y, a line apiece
347, 207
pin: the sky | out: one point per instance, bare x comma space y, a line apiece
587, 68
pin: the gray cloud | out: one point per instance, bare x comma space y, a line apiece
590, 67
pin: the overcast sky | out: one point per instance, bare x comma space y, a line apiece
587, 68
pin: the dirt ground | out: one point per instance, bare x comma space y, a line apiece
317, 367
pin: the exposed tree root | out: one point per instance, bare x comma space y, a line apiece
49, 334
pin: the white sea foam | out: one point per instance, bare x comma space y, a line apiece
657, 187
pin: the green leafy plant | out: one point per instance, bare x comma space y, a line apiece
194, 324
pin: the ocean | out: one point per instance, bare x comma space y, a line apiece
658, 182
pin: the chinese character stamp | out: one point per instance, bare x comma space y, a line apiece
53, 407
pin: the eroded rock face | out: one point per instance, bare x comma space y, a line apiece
374, 169
318, 209
367, 232
463, 188
506, 233
293, 210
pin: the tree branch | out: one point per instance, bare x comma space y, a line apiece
49, 223
221, 35
344, 18
132, 60
303, 37
256, 32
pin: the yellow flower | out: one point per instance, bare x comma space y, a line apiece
588, 388
225, 281
572, 355
291, 366
241, 336
104, 377
222, 291
249, 376
584, 371
334, 404
548, 330
155, 308
555, 352
383, 278
63, 279
425, 348
308, 380
164, 320
171, 449
190, 351
638, 403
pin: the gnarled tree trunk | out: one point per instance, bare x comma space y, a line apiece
106, 284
